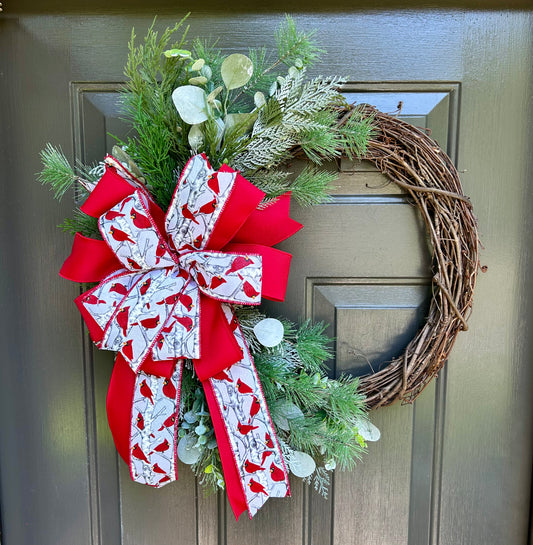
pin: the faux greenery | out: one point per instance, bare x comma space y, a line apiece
311, 413
250, 111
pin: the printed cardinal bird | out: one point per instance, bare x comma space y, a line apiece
197, 242
119, 288
186, 213
122, 319
127, 349
140, 421
243, 387
217, 281
146, 391
169, 389
249, 467
254, 408
168, 422
248, 288
157, 469
145, 285
239, 263
148, 323
200, 280
164, 479
257, 487
245, 428
276, 473
133, 264
160, 251
93, 300
268, 441
209, 207
170, 300
138, 453
223, 376
212, 183
140, 221
185, 300
185, 321
266, 454
120, 236
234, 323
113, 214
162, 447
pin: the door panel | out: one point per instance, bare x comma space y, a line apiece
453, 468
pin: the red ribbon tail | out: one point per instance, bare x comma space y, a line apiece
119, 401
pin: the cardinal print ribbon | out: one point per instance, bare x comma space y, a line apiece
166, 288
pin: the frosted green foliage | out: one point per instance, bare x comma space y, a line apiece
58, 174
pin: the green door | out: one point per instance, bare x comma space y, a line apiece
455, 467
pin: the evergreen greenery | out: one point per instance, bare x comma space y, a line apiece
311, 412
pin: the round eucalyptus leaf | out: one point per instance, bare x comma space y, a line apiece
236, 71
200, 429
301, 464
206, 72
299, 63
190, 417
259, 99
195, 137
187, 452
289, 410
269, 332
190, 101
367, 430
273, 88
197, 65
284, 411
198, 80
293, 71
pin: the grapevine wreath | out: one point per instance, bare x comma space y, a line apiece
174, 243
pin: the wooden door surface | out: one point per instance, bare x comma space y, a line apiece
452, 469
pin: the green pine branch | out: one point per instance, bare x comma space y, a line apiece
81, 223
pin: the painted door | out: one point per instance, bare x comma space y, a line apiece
454, 468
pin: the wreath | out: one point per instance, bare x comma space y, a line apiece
415, 162
174, 243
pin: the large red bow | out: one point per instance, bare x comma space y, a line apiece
166, 286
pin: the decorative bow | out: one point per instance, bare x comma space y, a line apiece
166, 286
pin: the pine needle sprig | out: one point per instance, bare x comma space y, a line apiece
81, 223
312, 186
294, 46
57, 172
313, 346
355, 133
